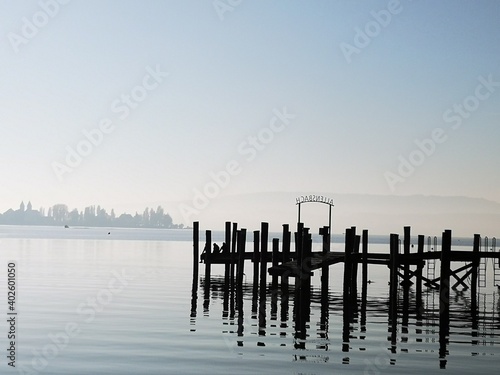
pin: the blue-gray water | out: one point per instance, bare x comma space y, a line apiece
90, 302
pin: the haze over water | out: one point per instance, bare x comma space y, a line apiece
188, 104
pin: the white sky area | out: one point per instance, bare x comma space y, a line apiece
357, 114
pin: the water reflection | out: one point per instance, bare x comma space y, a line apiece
314, 323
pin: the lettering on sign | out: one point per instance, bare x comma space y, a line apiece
314, 198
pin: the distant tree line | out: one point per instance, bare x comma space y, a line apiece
91, 216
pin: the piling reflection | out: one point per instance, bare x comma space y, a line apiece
325, 325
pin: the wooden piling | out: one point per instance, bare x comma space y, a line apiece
286, 243
325, 270
406, 251
393, 290
227, 266
264, 233
242, 237
196, 256
275, 261
303, 284
393, 293
241, 241
406, 282
233, 255
364, 264
349, 243
285, 290
364, 277
444, 287
418, 292
354, 274
475, 266
286, 258
298, 244
208, 253
306, 282
196, 249
444, 297
256, 258
306, 249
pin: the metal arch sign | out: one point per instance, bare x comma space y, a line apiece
314, 199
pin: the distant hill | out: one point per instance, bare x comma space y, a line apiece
380, 214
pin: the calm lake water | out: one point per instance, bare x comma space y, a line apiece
89, 302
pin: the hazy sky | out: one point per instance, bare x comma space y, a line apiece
379, 97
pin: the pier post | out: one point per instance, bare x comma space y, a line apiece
418, 292
286, 243
264, 233
353, 292
364, 276
256, 257
350, 234
325, 271
286, 258
303, 285
274, 283
393, 290
196, 250
444, 293
242, 237
306, 271
406, 251
475, 265
241, 241
196, 257
325, 288
299, 245
406, 282
227, 266
275, 261
233, 254
208, 253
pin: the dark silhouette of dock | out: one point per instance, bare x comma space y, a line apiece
405, 270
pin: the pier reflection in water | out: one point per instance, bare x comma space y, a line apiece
313, 323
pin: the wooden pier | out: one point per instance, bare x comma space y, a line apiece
405, 270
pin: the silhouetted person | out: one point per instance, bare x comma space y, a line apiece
224, 249
216, 249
